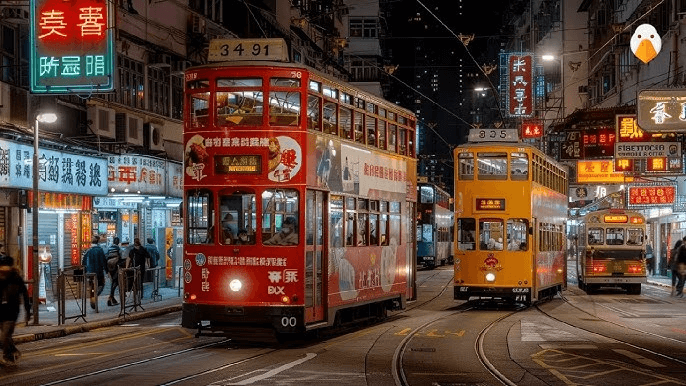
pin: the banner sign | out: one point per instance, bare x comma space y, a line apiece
652, 195
57, 171
136, 174
598, 172
72, 46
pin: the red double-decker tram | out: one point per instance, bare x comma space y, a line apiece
299, 200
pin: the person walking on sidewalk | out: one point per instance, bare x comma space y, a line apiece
139, 255
671, 265
154, 257
680, 268
95, 262
12, 290
114, 262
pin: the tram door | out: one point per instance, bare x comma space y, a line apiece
314, 255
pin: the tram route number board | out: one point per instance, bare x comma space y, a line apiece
493, 135
222, 50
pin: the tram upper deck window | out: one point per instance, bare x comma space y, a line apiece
313, 113
492, 165
284, 82
466, 166
614, 236
239, 108
199, 109
330, 118
635, 237
426, 195
284, 108
519, 167
491, 234
595, 236
466, 231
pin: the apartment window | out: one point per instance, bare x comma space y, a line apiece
8, 54
363, 27
131, 82
158, 90
364, 69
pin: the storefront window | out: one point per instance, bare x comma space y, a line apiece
238, 218
280, 217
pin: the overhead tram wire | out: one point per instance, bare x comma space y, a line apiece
495, 91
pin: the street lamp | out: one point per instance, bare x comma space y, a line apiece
45, 118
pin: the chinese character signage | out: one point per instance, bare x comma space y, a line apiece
520, 86
57, 171
532, 129
490, 204
72, 46
598, 172
662, 110
138, 174
588, 144
662, 195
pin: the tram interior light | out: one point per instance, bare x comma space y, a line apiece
490, 277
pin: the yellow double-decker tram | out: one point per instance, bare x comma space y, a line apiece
511, 211
611, 250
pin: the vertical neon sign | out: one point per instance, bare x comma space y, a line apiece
520, 85
73, 46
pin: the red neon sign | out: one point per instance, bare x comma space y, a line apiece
651, 195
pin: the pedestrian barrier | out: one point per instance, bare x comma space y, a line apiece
72, 282
155, 296
130, 281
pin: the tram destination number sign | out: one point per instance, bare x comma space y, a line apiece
222, 50
493, 135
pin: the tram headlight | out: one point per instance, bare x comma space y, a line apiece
490, 277
235, 285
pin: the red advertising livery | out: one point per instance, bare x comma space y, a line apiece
299, 197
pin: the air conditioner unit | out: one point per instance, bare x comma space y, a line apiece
129, 129
153, 137
102, 121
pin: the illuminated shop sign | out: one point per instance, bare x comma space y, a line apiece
136, 174
238, 164
651, 195
662, 110
72, 46
57, 171
532, 128
589, 143
599, 171
490, 204
519, 83
616, 218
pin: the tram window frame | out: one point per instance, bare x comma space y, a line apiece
491, 239
358, 126
519, 166
384, 236
613, 234
517, 234
350, 221
336, 215
199, 211
361, 223
402, 141
199, 109
315, 86
598, 236
277, 208
373, 222
632, 233
234, 221
330, 120
314, 112
392, 137
381, 132
496, 164
465, 166
345, 117
370, 125
279, 113
394, 225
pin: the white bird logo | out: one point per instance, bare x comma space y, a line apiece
645, 43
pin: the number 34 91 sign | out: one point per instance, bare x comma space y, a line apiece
222, 50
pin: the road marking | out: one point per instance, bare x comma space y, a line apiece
541, 332
638, 358
275, 371
404, 331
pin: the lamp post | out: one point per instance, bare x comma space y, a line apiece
45, 118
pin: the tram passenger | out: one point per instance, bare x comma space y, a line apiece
228, 236
243, 238
288, 234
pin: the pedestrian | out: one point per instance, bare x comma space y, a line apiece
12, 290
671, 264
114, 262
681, 269
650, 261
95, 262
154, 257
138, 256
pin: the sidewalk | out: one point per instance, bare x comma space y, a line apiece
664, 281
48, 326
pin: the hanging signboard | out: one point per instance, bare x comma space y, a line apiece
662, 110
651, 195
72, 46
518, 80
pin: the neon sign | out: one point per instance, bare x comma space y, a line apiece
519, 85
73, 46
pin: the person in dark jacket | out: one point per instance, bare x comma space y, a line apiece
114, 251
680, 264
671, 264
139, 255
95, 262
154, 257
12, 291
